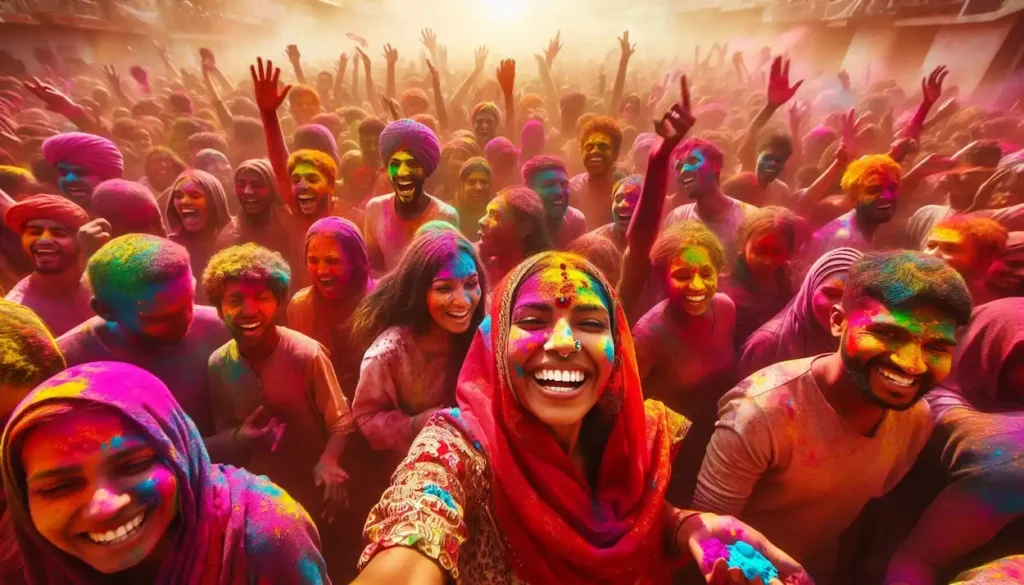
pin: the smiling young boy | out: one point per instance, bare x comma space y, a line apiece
801, 446
270, 370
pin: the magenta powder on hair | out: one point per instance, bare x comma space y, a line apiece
746, 558
713, 550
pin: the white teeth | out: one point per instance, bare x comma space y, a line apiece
458, 315
895, 377
249, 326
696, 298
118, 535
570, 376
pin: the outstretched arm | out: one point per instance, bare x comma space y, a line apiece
478, 68
643, 228
339, 78
391, 56
779, 92
371, 90
628, 51
223, 114
58, 102
269, 98
507, 80
442, 112
931, 90
292, 51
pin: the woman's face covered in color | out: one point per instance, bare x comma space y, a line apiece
252, 191
455, 294
560, 311
328, 268
191, 205
97, 490
692, 281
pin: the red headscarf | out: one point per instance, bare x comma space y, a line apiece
52, 207
558, 528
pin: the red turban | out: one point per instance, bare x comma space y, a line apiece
52, 207
96, 154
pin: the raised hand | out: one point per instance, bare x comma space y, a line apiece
93, 235
844, 79
779, 89
737, 60
798, 112
113, 79
161, 51
207, 58
627, 49
554, 46
507, 75
366, 59
265, 86
51, 96
342, 62
442, 55
901, 148
931, 86
292, 52
429, 40
480, 58
433, 72
390, 54
677, 121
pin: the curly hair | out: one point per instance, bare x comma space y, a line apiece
905, 277
683, 235
606, 125
988, 235
320, 161
867, 165
400, 297
246, 262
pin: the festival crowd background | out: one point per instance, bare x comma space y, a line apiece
445, 315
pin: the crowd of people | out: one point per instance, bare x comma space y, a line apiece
306, 327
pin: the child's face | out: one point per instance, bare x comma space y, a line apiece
248, 308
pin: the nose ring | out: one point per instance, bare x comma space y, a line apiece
577, 346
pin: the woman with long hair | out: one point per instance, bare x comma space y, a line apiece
196, 212
134, 498
420, 319
553, 468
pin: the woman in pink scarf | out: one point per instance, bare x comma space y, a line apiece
139, 464
196, 212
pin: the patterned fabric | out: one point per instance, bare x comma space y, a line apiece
555, 527
234, 528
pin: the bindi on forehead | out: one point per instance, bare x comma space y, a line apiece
563, 286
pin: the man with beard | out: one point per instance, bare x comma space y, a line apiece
801, 446
144, 296
369, 133
591, 192
48, 225
547, 177
872, 186
625, 196
698, 166
411, 152
82, 162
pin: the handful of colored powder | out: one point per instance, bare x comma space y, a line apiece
740, 556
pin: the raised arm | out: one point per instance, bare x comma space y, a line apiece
223, 114
165, 58
931, 91
371, 90
643, 228
391, 56
355, 80
114, 83
628, 51
480, 60
339, 77
442, 111
507, 81
295, 58
544, 70
779, 92
58, 102
820, 187
269, 98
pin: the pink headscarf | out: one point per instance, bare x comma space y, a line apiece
94, 153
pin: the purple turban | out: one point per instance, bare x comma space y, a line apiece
414, 138
317, 137
96, 154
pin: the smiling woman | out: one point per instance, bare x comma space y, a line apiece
134, 495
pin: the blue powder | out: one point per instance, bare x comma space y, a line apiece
609, 350
746, 558
440, 493
520, 373
455, 412
310, 570
478, 446
114, 443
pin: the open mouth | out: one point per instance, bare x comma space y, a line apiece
46, 254
404, 185
307, 202
687, 181
249, 328
624, 215
897, 378
458, 315
121, 534
560, 381
696, 298
596, 159
76, 190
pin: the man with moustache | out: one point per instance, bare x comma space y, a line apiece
698, 166
48, 226
591, 192
144, 298
801, 446
548, 177
82, 162
411, 152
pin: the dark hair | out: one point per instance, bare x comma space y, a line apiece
601, 252
527, 208
686, 234
371, 126
779, 142
400, 297
899, 277
249, 262
572, 104
247, 130
203, 140
984, 153
539, 164
791, 226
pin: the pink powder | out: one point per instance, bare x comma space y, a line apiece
713, 550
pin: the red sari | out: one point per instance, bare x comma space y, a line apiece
558, 528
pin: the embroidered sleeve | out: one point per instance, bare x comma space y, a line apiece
425, 507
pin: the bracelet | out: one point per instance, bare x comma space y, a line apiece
680, 518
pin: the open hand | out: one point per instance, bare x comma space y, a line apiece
429, 40
798, 112
677, 121
507, 75
931, 86
113, 79
480, 58
627, 49
779, 89
292, 52
390, 54
366, 59
701, 528
554, 46
332, 478
265, 86
51, 96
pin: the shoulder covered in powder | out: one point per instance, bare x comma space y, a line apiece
80, 345
280, 540
769, 387
302, 346
393, 339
